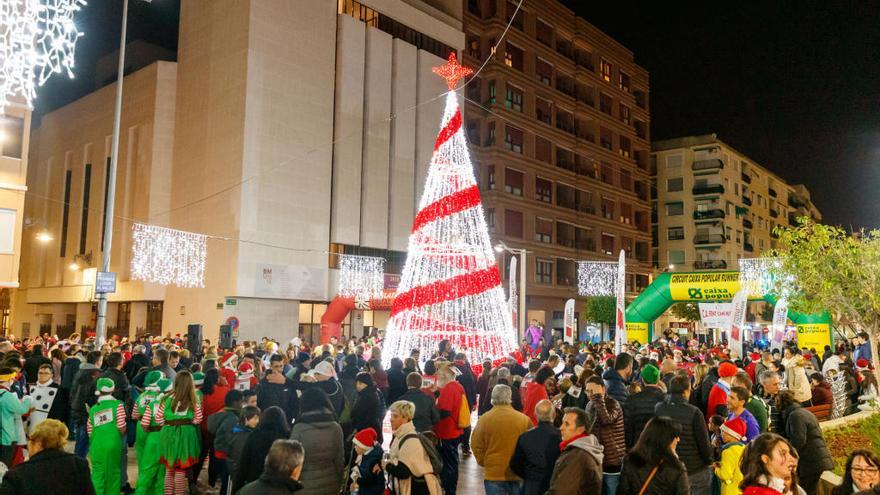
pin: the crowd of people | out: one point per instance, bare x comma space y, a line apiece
673, 416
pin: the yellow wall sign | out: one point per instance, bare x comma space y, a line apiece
813, 335
705, 286
636, 331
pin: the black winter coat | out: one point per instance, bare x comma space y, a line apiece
278, 394
68, 372
706, 387
82, 397
427, 414
368, 411
68, 475
396, 385
122, 387
253, 456
134, 365
534, 457
639, 408
615, 386
671, 477
271, 485
469, 383
694, 448
802, 430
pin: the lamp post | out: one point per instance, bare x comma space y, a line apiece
500, 248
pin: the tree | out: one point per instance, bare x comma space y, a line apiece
686, 311
821, 267
600, 309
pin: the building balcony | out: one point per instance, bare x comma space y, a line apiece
709, 239
747, 201
710, 265
748, 247
708, 189
772, 192
794, 202
747, 223
709, 214
564, 242
774, 213
746, 178
712, 164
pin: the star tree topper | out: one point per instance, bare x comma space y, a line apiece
452, 71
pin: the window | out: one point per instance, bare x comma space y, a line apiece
739, 236
396, 29
513, 57
154, 318
473, 132
543, 230
544, 32
641, 98
490, 218
674, 185
626, 180
543, 150
625, 213
491, 177
606, 138
543, 70
623, 81
543, 110
84, 226
605, 103
7, 230
624, 114
473, 46
607, 243
543, 271
584, 201
675, 233
565, 120
11, 136
673, 161
492, 93
566, 272
513, 223
607, 175
65, 213
605, 70
490, 139
514, 98
626, 244
674, 209
641, 129
511, 10
513, 139
563, 47
675, 257
474, 7
624, 147
543, 190
513, 181
608, 208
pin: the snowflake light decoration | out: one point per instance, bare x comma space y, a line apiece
167, 256
37, 39
597, 278
361, 277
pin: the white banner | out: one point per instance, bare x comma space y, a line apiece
780, 317
620, 330
570, 330
716, 315
737, 321
513, 300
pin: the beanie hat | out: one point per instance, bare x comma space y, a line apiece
365, 378
302, 357
365, 438
650, 374
325, 368
152, 377
736, 428
104, 386
726, 369
245, 367
164, 385
198, 378
227, 358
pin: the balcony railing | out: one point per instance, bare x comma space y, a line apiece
747, 201
774, 213
565, 242
710, 164
710, 265
709, 239
708, 189
708, 214
748, 247
746, 178
747, 223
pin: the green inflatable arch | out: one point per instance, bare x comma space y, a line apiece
813, 330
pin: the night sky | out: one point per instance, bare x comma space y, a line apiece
795, 85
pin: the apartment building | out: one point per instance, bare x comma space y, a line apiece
558, 123
714, 205
270, 133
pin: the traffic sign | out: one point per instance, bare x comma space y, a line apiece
105, 283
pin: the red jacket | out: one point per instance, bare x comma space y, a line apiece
717, 397
759, 490
534, 393
450, 401
213, 403
750, 369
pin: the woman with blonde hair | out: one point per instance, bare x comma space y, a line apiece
409, 468
180, 414
50, 469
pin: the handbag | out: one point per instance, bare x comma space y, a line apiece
650, 477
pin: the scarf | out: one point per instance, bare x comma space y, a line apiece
566, 443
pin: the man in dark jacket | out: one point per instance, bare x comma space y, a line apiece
606, 416
426, 410
469, 382
617, 378
639, 407
280, 472
694, 448
49, 470
138, 360
220, 425
275, 389
33, 363
536, 451
83, 397
706, 387
803, 431
578, 470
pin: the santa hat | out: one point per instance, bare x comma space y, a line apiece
227, 358
736, 428
365, 438
164, 385
754, 356
104, 386
246, 368
151, 379
726, 370
863, 364
198, 378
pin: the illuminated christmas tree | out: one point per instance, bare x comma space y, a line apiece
450, 288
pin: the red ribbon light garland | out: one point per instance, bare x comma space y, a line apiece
457, 287
448, 205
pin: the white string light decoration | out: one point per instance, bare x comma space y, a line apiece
755, 275
597, 278
167, 256
37, 39
361, 277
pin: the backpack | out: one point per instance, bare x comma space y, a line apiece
429, 448
464, 413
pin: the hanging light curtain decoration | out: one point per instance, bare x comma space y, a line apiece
167, 256
361, 277
597, 278
37, 39
755, 275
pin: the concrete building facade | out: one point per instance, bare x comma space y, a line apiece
286, 131
558, 123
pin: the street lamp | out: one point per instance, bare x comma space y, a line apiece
500, 248
44, 237
671, 267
